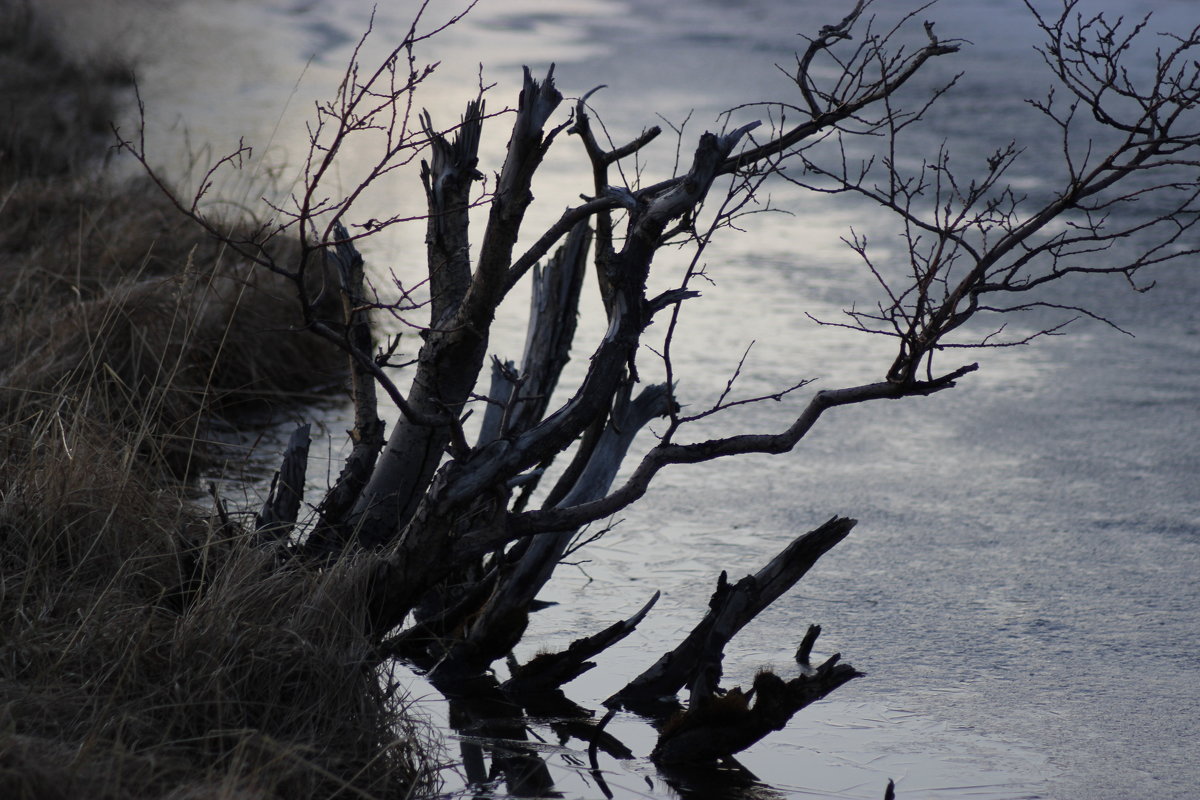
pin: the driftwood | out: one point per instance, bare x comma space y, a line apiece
720, 725
551, 670
696, 661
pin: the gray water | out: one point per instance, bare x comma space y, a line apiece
1022, 587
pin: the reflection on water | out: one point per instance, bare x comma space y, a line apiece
1021, 588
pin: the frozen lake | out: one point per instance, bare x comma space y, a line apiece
1021, 589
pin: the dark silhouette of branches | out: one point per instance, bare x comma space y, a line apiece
438, 531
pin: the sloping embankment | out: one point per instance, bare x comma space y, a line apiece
144, 650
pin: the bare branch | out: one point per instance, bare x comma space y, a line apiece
664, 454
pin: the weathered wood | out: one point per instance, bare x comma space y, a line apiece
722, 725
595, 479
501, 622
613, 359
329, 535
520, 402
447, 177
456, 345
527, 146
468, 489
551, 670
500, 394
278, 515
452, 356
696, 661
554, 309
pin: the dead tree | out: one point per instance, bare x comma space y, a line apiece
451, 540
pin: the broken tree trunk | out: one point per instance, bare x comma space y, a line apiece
451, 357
518, 402
696, 661
278, 515
720, 725
462, 513
500, 623
330, 534
549, 671
464, 303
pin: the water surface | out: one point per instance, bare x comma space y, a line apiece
1021, 589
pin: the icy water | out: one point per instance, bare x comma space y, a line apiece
1022, 587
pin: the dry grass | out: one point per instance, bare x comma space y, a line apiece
116, 306
55, 111
145, 650
159, 356
147, 654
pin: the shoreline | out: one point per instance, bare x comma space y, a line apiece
148, 650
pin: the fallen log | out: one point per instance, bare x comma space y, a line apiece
721, 725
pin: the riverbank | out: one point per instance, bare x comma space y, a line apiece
1001, 600
144, 650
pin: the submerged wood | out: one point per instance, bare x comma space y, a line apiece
494, 726
696, 661
721, 725
551, 670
